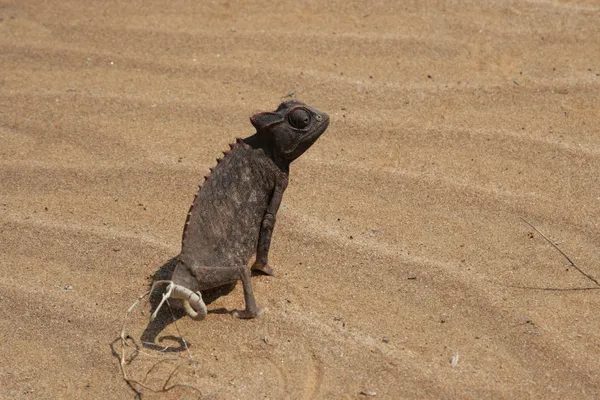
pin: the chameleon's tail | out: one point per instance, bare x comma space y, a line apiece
192, 301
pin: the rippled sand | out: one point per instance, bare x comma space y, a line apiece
400, 242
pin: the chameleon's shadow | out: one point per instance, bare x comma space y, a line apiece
167, 315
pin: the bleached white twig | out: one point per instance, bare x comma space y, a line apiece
454, 360
123, 337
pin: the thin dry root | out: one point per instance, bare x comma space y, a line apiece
192, 302
172, 290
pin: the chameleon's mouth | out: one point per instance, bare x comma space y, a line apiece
318, 132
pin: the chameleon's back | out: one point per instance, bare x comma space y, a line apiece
224, 221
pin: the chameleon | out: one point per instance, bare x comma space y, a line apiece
233, 213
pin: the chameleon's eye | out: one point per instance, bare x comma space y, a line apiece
299, 118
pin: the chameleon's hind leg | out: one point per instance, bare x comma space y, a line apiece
211, 277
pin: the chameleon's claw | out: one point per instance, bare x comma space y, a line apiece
245, 314
264, 269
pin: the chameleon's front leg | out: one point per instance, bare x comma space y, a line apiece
266, 230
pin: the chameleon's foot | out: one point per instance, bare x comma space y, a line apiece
264, 269
245, 314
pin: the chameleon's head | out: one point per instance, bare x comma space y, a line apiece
291, 129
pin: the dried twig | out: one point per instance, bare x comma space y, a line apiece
165, 296
152, 369
591, 278
123, 337
454, 360
290, 94
555, 289
180, 335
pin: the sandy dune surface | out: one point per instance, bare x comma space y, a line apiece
404, 269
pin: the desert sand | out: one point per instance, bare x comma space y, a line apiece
405, 268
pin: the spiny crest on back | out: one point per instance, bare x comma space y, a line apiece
239, 142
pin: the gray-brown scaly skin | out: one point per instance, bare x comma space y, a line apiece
233, 214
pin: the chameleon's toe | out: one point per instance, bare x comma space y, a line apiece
246, 314
264, 269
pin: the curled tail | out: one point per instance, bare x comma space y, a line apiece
192, 301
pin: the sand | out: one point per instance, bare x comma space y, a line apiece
400, 243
